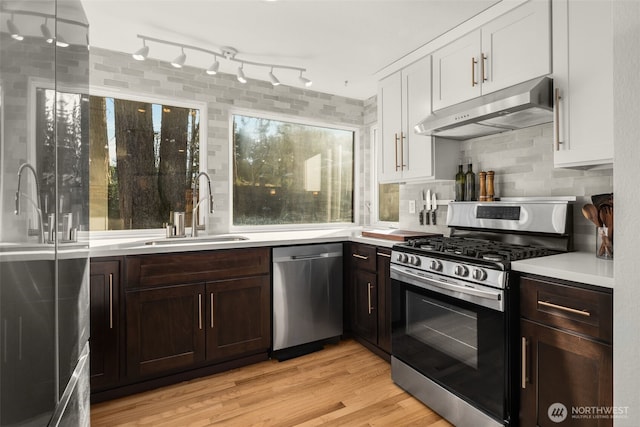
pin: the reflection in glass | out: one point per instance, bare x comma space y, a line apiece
389, 202
289, 173
144, 158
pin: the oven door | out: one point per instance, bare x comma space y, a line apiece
453, 334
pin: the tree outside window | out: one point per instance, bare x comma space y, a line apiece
291, 173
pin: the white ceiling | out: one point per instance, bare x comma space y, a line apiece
341, 43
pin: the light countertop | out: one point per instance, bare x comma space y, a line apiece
133, 246
582, 267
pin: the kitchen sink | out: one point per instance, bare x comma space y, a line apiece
196, 240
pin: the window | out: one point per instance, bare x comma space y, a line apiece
143, 159
387, 196
291, 173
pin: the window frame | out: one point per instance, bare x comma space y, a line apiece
109, 92
375, 197
301, 121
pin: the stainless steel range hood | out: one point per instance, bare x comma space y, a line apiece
516, 107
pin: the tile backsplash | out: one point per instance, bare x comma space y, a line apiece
523, 165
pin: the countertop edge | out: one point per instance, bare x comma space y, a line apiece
580, 267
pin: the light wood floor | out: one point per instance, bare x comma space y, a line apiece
343, 384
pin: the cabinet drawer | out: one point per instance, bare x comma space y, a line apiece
190, 267
363, 257
584, 311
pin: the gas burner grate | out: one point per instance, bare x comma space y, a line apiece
489, 250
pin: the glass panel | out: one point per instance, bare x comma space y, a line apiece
450, 329
289, 173
144, 158
389, 202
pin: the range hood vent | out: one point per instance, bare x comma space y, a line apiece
516, 107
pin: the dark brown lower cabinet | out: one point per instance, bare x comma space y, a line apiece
369, 296
165, 329
239, 317
104, 341
364, 315
566, 372
178, 327
563, 368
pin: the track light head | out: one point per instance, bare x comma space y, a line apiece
61, 42
46, 32
13, 30
141, 54
213, 69
241, 77
179, 61
305, 81
273, 78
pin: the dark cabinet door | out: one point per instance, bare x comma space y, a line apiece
238, 317
165, 329
364, 312
563, 368
104, 309
384, 299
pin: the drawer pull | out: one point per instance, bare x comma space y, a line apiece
563, 308
360, 257
385, 255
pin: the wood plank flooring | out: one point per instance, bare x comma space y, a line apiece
344, 384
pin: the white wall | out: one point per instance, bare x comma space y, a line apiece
626, 296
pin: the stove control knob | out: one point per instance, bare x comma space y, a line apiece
435, 265
461, 271
479, 274
414, 260
402, 258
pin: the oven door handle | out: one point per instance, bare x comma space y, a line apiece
430, 283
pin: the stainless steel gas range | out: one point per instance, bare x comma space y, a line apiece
455, 306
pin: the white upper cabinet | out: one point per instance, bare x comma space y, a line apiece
404, 99
508, 50
583, 81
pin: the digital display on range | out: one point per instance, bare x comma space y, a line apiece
511, 213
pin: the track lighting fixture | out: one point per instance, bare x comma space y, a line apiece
213, 69
241, 77
225, 52
61, 42
31, 31
46, 32
142, 53
13, 30
179, 61
274, 79
305, 81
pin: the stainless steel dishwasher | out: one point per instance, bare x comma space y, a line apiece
307, 298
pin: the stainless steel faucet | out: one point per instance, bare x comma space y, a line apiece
35, 204
196, 202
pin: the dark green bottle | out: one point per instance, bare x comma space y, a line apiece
470, 184
459, 188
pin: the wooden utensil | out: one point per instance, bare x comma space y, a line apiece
591, 213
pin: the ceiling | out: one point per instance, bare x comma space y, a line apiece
341, 43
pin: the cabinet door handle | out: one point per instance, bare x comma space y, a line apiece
200, 311
473, 71
19, 337
563, 308
483, 58
212, 311
385, 255
369, 296
402, 138
360, 256
556, 114
110, 300
524, 370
